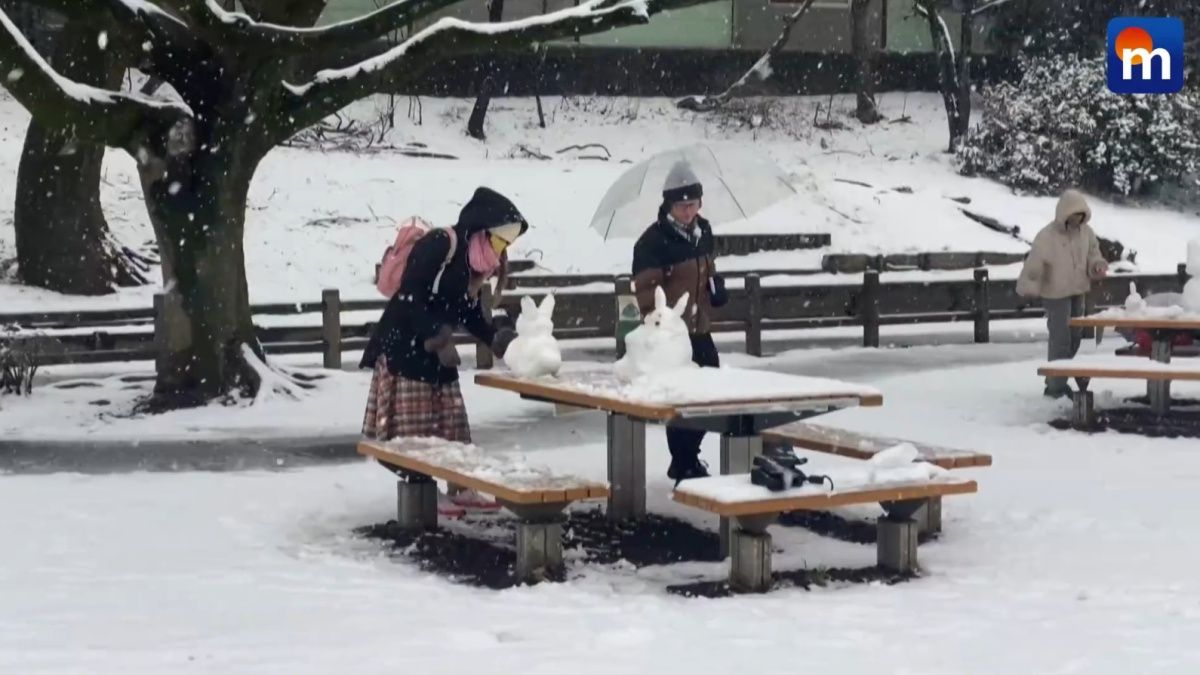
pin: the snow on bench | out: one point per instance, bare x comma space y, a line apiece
536, 495
901, 489
1119, 368
505, 476
820, 438
735, 495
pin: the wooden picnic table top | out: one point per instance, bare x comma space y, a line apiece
688, 392
1151, 323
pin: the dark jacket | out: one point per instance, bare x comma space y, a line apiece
416, 313
663, 257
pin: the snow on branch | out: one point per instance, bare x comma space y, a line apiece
332, 89
761, 68
342, 35
989, 6
947, 42
100, 115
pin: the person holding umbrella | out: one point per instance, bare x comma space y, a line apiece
676, 254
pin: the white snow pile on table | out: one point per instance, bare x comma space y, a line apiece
1150, 313
470, 460
682, 386
895, 467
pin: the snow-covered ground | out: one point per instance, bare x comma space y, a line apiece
1074, 557
321, 219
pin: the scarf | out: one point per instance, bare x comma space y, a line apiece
481, 256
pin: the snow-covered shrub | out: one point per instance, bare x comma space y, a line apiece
20, 354
16, 369
1060, 126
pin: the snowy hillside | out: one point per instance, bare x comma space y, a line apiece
320, 219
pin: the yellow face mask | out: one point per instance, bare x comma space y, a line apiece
498, 243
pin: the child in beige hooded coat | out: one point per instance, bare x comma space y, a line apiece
1062, 264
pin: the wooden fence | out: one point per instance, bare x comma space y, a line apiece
755, 308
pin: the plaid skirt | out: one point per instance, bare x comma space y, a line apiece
397, 406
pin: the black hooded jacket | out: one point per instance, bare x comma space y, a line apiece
416, 313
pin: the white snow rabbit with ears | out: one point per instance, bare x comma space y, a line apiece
534, 352
660, 343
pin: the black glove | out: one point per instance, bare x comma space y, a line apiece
717, 296
437, 342
503, 338
448, 356
502, 321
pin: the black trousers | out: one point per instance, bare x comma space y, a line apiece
685, 443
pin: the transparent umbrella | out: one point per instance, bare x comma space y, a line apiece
738, 183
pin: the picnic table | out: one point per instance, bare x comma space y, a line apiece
1162, 331
738, 404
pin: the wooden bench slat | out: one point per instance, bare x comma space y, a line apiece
827, 500
555, 495
829, 440
1120, 368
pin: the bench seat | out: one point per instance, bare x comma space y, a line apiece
536, 495
901, 491
820, 438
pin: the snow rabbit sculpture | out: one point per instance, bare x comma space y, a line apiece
534, 352
660, 343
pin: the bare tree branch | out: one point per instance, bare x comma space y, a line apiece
761, 66
340, 36
98, 115
332, 90
989, 6
288, 12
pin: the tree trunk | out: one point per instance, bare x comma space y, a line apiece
867, 111
63, 241
486, 83
198, 207
947, 73
966, 43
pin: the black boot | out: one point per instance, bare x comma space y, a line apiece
681, 470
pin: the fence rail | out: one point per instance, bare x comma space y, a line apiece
95, 336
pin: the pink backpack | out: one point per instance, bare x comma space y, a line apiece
395, 258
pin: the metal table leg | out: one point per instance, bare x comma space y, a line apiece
737, 453
626, 467
1160, 392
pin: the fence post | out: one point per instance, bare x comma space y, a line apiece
331, 328
484, 358
628, 315
754, 299
983, 307
868, 309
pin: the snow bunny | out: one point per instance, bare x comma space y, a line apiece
534, 352
660, 343
1191, 290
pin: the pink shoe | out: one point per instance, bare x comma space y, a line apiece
448, 509
471, 500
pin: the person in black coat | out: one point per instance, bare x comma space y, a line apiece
414, 388
676, 253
